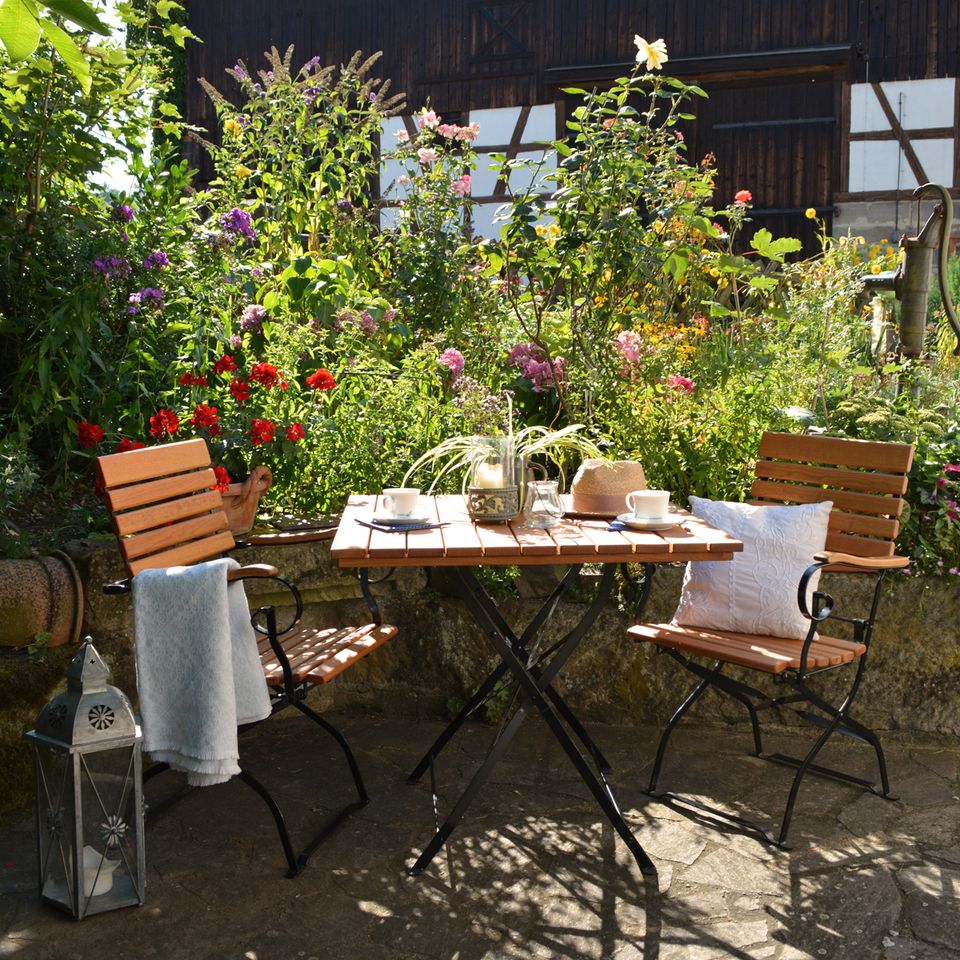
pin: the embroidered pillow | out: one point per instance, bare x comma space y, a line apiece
756, 592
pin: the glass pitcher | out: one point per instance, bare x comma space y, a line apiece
543, 506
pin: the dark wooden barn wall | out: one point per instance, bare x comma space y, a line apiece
774, 68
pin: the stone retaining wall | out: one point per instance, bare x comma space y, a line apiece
913, 684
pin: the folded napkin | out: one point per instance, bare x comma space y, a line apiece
198, 670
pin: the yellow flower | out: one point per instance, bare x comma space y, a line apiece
875, 268
654, 53
658, 226
243, 172
714, 272
541, 230
810, 213
890, 251
233, 126
608, 274
553, 230
599, 301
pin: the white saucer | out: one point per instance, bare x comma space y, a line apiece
648, 523
389, 519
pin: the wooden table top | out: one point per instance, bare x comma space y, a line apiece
464, 543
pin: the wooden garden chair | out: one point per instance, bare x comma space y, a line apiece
167, 512
866, 482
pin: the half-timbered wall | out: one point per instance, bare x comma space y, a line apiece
783, 75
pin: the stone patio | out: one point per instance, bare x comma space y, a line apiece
533, 871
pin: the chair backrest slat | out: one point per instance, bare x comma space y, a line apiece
865, 480
185, 554
164, 510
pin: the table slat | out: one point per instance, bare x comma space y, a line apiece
460, 538
533, 542
604, 539
352, 540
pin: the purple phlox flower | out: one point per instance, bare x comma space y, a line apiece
389, 316
453, 360
112, 266
630, 345
367, 323
345, 206
315, 325
342, 318
253, 317
121, 213
147, 297
236, 341
682, 384
238, 221
123, 237
156, 260
256, 272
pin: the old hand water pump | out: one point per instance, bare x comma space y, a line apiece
911, 280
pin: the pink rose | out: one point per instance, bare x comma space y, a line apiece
426, 155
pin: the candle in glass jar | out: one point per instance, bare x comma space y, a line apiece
488, 475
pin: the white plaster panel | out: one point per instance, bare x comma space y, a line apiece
926, 103
936, 158
874, 164
482, 180
389, 218
389, 174
483, 215
541, 124
496, 125
521, 180
389, 128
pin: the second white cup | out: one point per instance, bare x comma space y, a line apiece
648, 504
400, 501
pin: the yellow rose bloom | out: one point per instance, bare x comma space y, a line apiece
654, 53
242, 172
810, 213
553, 230
875, 268
233, 126
714, 272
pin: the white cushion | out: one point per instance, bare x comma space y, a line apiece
756, 592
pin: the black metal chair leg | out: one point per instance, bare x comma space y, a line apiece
867, 734
798, 778
691, 699
362, 795
251, 781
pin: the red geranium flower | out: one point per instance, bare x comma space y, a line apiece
89, 434
262, 431
192, 380
295, 432
126, 444
206, 416
267, 375
742, 197
240, 389
226, 364
223, 479
321, 380
164, 422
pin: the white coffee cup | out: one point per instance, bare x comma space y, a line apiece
400, 501
649, 504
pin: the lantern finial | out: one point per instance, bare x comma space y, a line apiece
87, 672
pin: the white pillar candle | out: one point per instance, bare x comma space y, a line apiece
488, 475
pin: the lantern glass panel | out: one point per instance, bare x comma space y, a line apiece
111, 871
55, 823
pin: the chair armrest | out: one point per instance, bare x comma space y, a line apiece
116, 589
862, 563
252, 570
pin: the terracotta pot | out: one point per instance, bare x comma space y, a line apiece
40, 595
241, 500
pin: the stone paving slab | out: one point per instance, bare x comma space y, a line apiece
533, 871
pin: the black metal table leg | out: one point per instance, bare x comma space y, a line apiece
536, 686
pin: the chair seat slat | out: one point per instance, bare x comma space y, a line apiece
769, 654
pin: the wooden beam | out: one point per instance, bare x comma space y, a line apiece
930, 133
905, 145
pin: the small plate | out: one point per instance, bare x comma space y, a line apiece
390, 521
648, 523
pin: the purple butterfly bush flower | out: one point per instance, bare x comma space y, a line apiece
121, 213
112, 266
253, 317
367, 323
310, 95
240, 71
311, 64
240, 222
156, 260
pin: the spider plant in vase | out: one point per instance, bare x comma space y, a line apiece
495, 468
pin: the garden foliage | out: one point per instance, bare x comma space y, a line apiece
290, 316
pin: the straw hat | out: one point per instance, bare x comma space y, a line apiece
600, 486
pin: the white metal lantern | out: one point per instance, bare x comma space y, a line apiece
493, 494
87, 757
